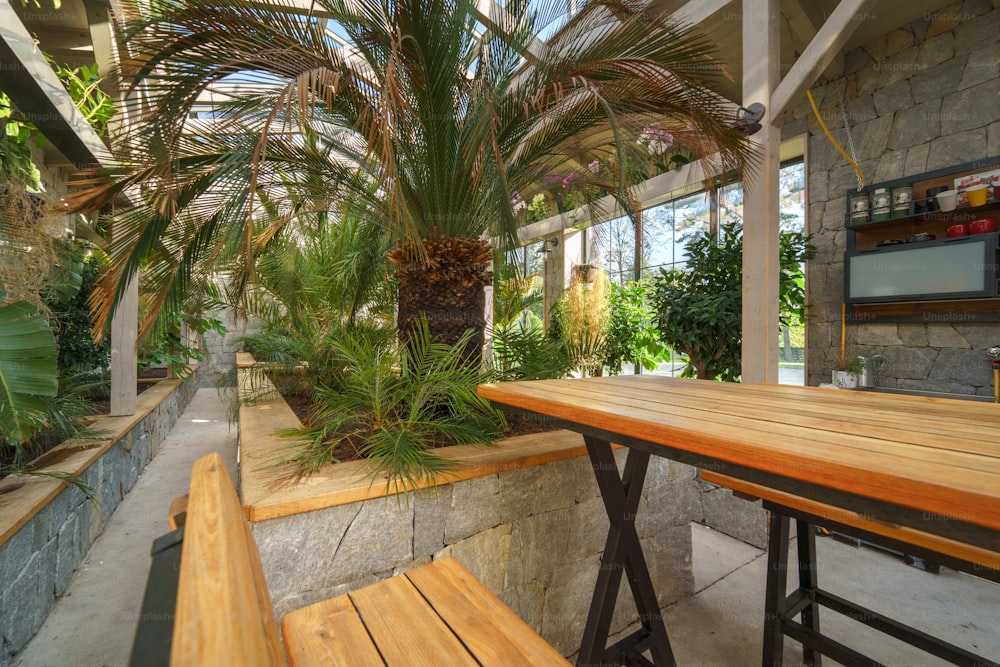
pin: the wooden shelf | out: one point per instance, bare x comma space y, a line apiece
946, 218
955, 311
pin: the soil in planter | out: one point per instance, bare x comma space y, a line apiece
43, 443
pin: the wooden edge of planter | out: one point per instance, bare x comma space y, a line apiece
270, 491
24, 496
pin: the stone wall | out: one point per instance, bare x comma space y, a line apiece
37, 562
920, 98
533, 536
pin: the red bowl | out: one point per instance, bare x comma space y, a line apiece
984, 226
957, 230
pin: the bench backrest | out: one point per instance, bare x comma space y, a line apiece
224, 613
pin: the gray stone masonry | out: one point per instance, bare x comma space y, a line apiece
38, 561
920, 98
533, 536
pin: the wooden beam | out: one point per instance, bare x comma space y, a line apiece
761, 72
821, 51
804, 21
41, 97
124, 328
695, 11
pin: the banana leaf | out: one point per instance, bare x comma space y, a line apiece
27, 370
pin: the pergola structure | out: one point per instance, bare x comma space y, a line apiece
774, 49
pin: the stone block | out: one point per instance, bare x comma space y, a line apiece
912, 334
957, 148
860, 110
908, 363
945, 335
819, 191
527, 602
587, 525
892, 98
980, 336
877, 334
430, 512
47, 557
735, 517
298, 599
943, 20
43, 527
972, 34
566, 603
892, 166
895, 68
965, 367
915, 125
15, 552
23, 609
538, 545
675, 504
939, 81
485, 555
983, 65
938, 49
311, 542
69, 553
668, 555
545, 488
897, 41
966, 110
916, 159
475, 506
993, 139
874, 50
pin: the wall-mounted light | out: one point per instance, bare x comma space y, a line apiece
748, 118
554, 241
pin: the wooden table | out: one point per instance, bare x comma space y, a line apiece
927, 463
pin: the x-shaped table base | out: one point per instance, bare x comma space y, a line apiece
622, 553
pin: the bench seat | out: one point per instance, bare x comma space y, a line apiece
219, 611
436, 614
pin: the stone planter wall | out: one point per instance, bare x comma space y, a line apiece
920, 98
525, 517
533, 536
47, 527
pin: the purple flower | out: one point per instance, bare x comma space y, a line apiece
568, 181
594, 166
515, 197
551, 179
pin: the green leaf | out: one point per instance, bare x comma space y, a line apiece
27, 370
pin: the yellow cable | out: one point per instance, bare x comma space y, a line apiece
833, 141
996, 385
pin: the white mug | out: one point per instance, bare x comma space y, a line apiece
948, 200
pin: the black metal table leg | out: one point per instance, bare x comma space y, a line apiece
622, 553
808, 584
775, 600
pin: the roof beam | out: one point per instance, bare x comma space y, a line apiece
822, 50
695, 11
41, 97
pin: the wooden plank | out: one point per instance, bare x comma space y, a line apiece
487, 627
762, 427
406, 630
820, 52
328, 633
946, 490
224, 616
266, 496
22, 497
966, 552
178, 511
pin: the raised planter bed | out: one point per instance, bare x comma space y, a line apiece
47, 526
525, 517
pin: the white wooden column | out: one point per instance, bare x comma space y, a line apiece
761, 74
558, 264
124, 328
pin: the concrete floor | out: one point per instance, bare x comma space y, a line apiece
94, 623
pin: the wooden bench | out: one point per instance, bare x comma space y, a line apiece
805, 601
436, 614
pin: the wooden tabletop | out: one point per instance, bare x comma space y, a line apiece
930, 463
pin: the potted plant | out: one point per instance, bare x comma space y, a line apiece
847, 368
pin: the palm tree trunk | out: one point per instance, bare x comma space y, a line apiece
445, 287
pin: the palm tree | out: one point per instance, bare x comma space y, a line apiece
422, 116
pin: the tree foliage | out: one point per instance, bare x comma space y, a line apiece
699, 308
